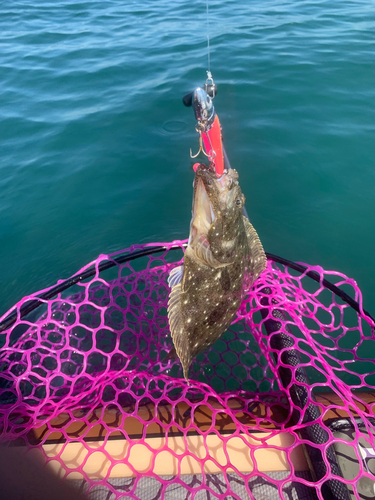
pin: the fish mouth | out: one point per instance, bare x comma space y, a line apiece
202, 214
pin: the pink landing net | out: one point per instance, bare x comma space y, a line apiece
281, 406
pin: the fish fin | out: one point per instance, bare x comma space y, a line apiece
176, 326
175, 276
170, 356
204, 253
258, 257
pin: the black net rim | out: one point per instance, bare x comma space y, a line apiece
65, 284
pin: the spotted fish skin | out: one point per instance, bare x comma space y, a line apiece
223, 259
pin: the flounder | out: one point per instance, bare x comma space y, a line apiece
223, 259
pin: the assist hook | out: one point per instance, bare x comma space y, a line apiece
212, 154
198, 129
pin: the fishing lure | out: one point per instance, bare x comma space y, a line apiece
208, 124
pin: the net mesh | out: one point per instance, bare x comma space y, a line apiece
277, 408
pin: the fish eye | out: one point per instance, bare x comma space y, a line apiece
238, 202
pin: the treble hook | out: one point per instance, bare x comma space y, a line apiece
201, 148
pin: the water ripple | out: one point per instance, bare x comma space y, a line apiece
95, 141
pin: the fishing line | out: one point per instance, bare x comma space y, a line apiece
208, 40
209, 86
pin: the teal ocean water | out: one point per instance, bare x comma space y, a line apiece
94, 138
